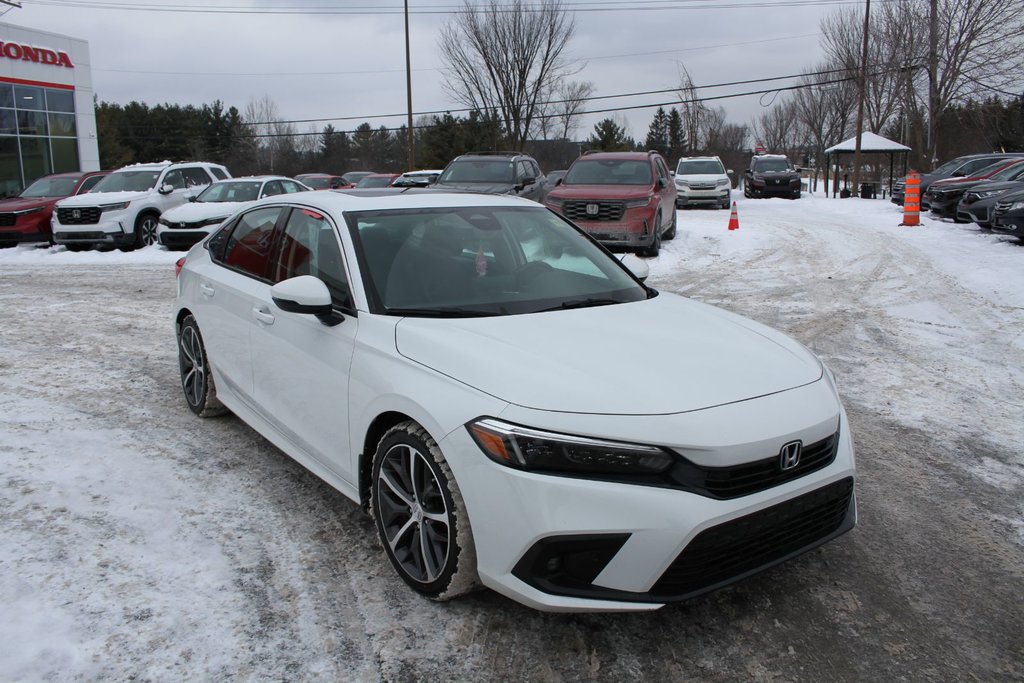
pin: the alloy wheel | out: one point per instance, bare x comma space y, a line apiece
193, 369
415, 519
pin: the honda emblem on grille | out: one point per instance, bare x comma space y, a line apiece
75, 213
789, 456
593, 209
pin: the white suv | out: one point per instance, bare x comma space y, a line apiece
702, 181
123, 209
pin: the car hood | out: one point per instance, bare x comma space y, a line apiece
485, 188
101, 198
617, 192
24, 204
702, 177
200, 211
659, 356
998, 185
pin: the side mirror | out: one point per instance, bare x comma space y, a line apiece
528, 180
958, 174
636, 265
193, 198
305, 295
559, 181
729, 171
166, 188
672, 173
662, 182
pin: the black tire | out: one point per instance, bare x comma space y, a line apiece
420, 516
196, 378
7, 244
655, 248
670, 234
145, 229
77, 247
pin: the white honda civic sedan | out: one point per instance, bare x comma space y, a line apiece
513, 406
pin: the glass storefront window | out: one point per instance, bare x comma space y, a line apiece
65, 155
8, 122
6, 95
35, 158
62, 125
31, 123
29, 97
60, 100
10, 167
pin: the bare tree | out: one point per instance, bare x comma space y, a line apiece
777, 128
824, 109
691, 109
505, 57
558, 117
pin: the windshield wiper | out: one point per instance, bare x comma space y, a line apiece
581, 303
453, 312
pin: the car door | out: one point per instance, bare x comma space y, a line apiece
300, 364
666, 191
229, 288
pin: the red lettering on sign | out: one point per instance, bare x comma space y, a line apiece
39, 55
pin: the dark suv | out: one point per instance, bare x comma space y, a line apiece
494, 173
771, 174
622, 199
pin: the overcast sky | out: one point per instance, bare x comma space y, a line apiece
346, 65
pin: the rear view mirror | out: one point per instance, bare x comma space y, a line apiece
166, 188
306, 295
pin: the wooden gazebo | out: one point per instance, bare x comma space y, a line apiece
870, 143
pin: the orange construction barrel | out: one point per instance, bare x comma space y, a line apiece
912, 200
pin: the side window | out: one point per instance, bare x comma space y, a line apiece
249, 245
660, 166
89, 183
174, 179
535, 169
290, 186
218, 173
309, 246
195, 177
272, 188
522, 170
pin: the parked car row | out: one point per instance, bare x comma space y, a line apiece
961, 167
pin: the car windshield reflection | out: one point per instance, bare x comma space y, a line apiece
463, 262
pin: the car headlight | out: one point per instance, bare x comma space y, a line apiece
682, 183
532, 449
211, 221
26, 212
114, 207
1016, 206
723, 182
637, 203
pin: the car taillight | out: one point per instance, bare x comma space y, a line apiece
178, 265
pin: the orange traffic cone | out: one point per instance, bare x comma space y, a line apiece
734, 219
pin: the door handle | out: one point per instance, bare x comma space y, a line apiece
205, 289
263, 315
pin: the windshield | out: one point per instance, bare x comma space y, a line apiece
320, 183
235, 191
457, 262
128, 181
948, 167
608, 172
478, 171
375, 181
1008, 173
50, 187
772, 165
702, 167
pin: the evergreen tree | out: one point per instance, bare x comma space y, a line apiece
676, 137
657, 134
609, 136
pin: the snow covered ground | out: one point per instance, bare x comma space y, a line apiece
140, 542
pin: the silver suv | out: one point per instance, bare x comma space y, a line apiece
124, 208
702, 181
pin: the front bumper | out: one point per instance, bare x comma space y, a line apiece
637, 547
762, 189
1009, 224
943, 206
976, 212
115, 228
175, 238
710, 197
634, 230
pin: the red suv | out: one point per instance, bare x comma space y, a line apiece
26, 218
622, 199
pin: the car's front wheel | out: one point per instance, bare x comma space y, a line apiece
196, 379
670, 234
145, 229
420, 516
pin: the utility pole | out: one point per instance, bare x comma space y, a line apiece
933, 80
410, 141
860, 97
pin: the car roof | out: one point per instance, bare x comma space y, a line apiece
632, 156
702, 158
337, 201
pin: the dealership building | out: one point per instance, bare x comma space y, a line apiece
47, 120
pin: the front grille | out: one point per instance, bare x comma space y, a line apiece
742, 480
702, 186
8, 219
731, 550
1001, 208
606, 211
87, 215
82, 236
